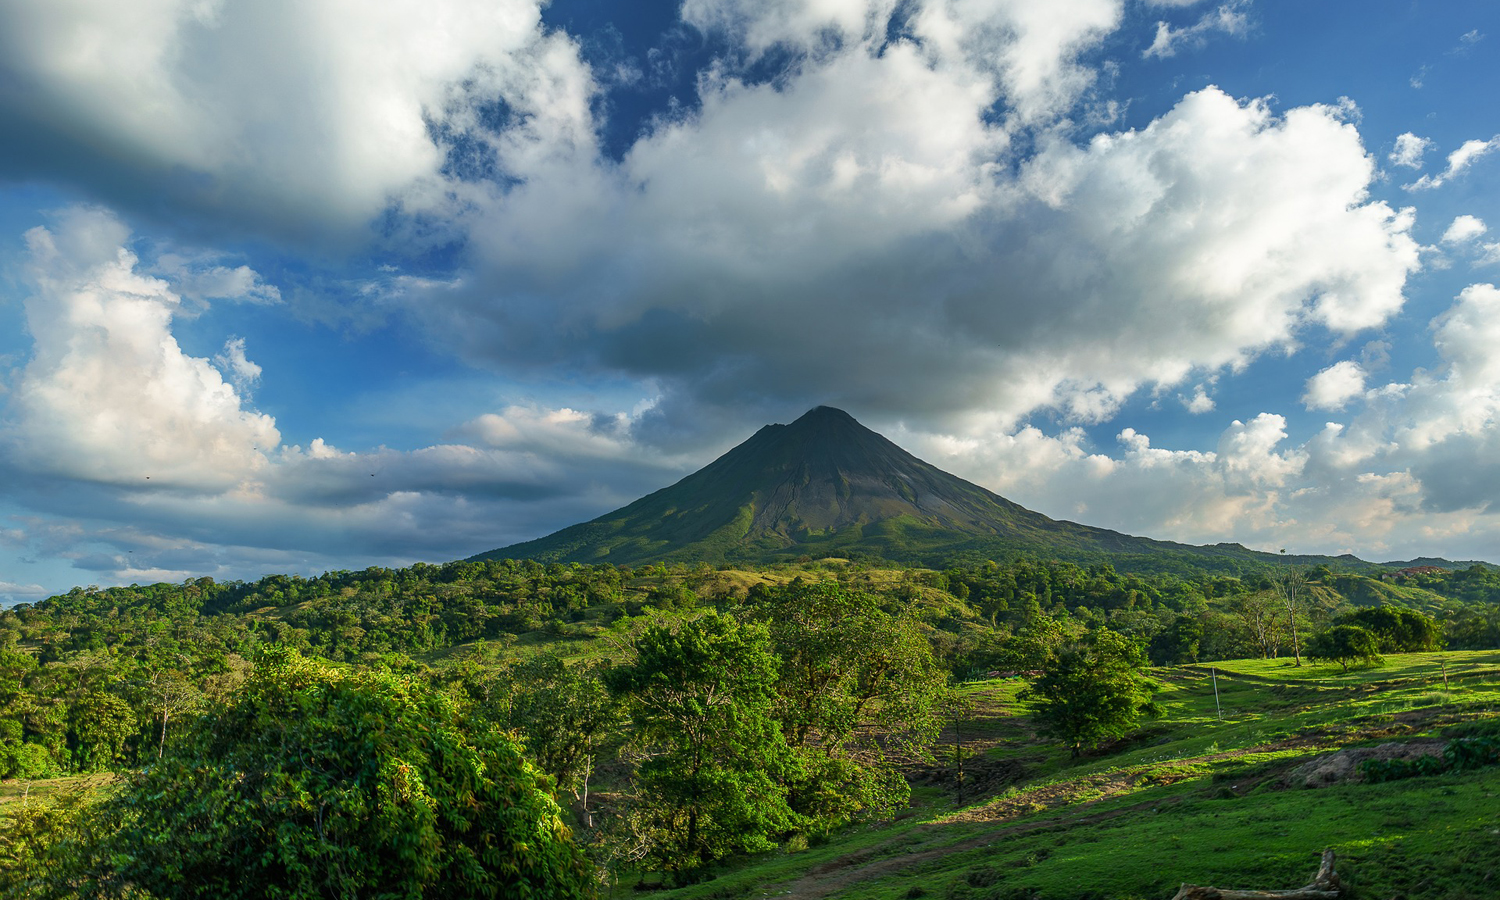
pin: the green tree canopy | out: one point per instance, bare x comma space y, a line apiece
846, 664
564, 716
700, 696
1092, 691
1396, 629
322, 783
1345, 644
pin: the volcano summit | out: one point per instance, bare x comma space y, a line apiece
825, 485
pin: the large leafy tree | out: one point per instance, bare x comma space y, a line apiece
1092, 691
565, 718
322, 783
1345, 644
700, 695
1396, 629
858, 686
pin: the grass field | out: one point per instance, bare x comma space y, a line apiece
16, 791
1192, 798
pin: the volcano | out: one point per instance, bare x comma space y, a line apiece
826, 485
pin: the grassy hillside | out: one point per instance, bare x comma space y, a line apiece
1193, 798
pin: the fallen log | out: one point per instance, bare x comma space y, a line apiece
1325, 886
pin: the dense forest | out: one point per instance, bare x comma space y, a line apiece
680, 715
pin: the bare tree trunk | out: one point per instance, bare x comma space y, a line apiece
1291, 614
1291, 580
588, 770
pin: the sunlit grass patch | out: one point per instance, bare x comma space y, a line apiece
1192, 797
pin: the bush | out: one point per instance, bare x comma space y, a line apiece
1459, 755
27, 762
1472, 752
1377, 771
321, 783
1345, 644
42, 845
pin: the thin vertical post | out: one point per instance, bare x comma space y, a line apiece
1214, 673
958, 754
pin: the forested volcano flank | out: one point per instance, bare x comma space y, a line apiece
826, 485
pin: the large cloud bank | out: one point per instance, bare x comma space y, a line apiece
928, 212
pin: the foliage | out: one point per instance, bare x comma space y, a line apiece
1397, 630
700, 697
847, 663
44, 846
1472, 752
564, 716
320, 783
1178, 643
1378, 771
1345, 644
1092, 692
1461, 754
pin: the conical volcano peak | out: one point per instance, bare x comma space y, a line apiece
825, 423
825, 415
825, 483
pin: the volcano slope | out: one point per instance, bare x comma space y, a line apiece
825, 485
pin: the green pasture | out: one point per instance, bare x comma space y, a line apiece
1200, 795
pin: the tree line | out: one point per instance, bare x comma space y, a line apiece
98, 678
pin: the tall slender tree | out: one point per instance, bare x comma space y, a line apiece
1292, 581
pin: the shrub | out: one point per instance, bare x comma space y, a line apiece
321, 783
27, 762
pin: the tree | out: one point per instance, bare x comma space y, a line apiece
1291, 581
700, 696
1258, 616
1344, 644
1091, 692
322, 783
858, 687
565, 716
101, 724
1180, 642
1397, 630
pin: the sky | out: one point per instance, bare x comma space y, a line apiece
295, 286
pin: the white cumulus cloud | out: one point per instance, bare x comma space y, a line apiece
1409, 150
1335, 386
859, 199
1458, 162
232, 360
1463, 229
1228, 18
307, 117
108, 394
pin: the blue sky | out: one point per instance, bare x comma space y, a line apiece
297, 286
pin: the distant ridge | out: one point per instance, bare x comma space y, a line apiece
825, 485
